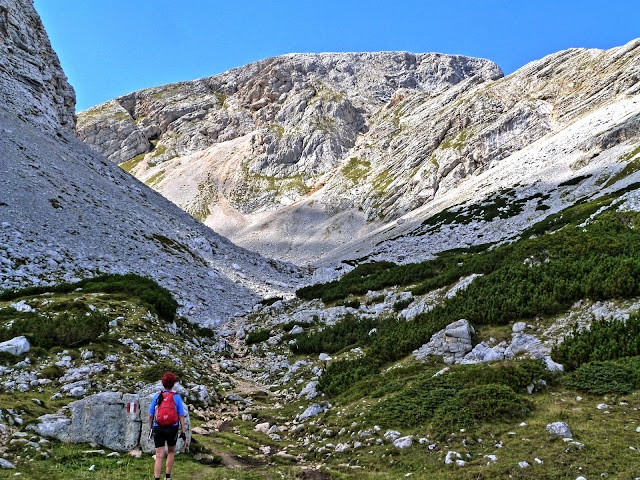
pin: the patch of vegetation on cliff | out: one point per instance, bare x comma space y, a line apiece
155, 179
502, 204
132, 163
257, 183
146, 289
159, 150
532, 277
630, 168
355, 170
382, 181
460, 140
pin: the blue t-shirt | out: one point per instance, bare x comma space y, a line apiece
177, 400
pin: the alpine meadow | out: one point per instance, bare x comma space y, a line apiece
358, 266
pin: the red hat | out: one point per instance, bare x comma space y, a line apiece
169, 380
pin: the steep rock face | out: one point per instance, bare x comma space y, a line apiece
32, 83
67, 213
310, 107
305, 164
258, 138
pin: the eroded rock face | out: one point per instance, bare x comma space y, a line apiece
262, 137
32, 83
329, 148
67, 213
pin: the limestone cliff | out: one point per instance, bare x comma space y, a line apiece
299, 155
68, 213
32, 83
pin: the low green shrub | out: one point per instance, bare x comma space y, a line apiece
415, 398
515, 374
402, 304
63, 330
605, 340
342, 374
132, 285
9, 359
472, 407
258, 336
52, 372
154, 373
269, 301
349, 331
287, 327
601, 378
352, 303
411, 408
540, 276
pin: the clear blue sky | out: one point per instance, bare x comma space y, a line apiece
112, 47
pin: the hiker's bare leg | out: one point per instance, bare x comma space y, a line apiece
170, 456
158, 466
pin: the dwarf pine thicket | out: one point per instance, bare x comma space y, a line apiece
146, 289
537, 275
72, 323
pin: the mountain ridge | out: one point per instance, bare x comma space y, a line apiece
270, 190
66, 213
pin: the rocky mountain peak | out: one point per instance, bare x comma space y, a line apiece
328, 147
32, 83
66, 213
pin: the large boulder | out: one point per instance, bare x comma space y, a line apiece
452, 343
110, 419
15, 346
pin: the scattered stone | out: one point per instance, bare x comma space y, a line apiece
296, 330
265, 450
559, 429
451, 456
263, 427
236, 398
519, 327
524, 464
342, 447
6, 464
392, 435
313, 410
15, 346
310, 390
403, 442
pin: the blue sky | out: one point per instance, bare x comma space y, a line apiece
112, 47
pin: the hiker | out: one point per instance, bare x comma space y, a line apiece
166, 418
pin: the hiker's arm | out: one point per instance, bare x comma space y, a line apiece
182, 429
150, 422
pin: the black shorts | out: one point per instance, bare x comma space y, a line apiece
162, 435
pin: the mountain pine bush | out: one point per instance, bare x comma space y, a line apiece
131, 285
539, 276
605, 340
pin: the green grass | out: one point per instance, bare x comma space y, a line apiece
132, 163
143, 288
355, 170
